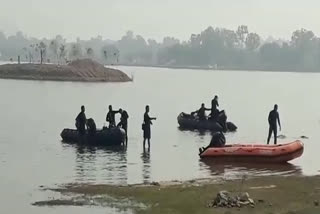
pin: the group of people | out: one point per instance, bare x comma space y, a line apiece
82, 123
214, 110
218, 139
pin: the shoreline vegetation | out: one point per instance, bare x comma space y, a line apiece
82, 70
214, 47
272, 195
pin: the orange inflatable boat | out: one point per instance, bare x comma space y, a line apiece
256, 153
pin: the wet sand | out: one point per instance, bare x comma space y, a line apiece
272, 195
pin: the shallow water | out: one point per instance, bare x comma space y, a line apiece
33, 113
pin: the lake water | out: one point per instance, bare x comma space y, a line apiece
33, 113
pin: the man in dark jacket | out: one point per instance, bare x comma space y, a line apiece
201, 112
124, 121
146, 126
218, 140
81, 121
214, 108
273, 120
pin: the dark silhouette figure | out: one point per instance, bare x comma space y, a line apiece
81, 121
201, 112
111, 117
214, 108
146, 126
92, 128
124, 122
273, 120
218, 140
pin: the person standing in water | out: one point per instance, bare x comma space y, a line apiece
273, 120
124, 122
146, 126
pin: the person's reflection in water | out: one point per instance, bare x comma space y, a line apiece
85, 163
118, 171
113, 168
202, 133
145, 156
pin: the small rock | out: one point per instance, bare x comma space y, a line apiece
155, 183
261, 201
244, 196
251, 201
316, 203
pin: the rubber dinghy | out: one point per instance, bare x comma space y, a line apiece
102, 137
190, 122
256, 153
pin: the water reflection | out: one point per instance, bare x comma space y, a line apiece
146, 163
85, 162
96, 164
199, 132
238, 169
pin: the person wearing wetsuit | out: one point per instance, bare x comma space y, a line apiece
273, 120
124, 122
214, 107
218, 140
202, 112
147, 122
81, 121
91, 126
111, 117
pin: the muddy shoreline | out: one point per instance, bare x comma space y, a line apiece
273, 194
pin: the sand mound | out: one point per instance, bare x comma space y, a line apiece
78, 70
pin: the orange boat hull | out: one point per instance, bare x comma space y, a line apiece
257, 153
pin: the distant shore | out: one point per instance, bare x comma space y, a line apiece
272, 194
84, 70
212, 68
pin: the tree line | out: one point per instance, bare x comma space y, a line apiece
218, 48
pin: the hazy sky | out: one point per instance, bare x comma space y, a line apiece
155, 18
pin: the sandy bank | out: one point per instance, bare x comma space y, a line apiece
272, 195
85, 70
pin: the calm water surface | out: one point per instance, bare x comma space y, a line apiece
33, 113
